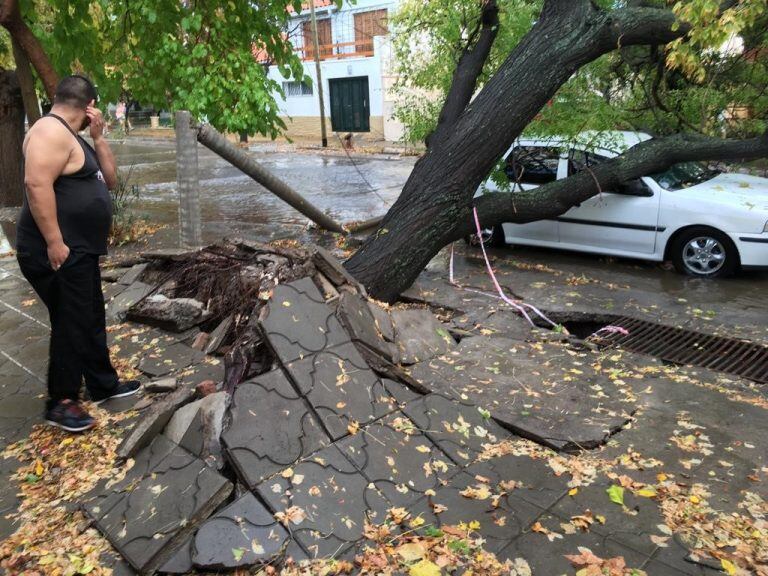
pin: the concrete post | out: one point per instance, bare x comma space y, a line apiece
190, 228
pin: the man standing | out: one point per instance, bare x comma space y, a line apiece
62, 231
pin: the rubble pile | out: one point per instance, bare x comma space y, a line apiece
285, 412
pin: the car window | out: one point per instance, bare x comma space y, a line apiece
579, 159
684, 174
532, 164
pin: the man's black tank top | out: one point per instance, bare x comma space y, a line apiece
83, 209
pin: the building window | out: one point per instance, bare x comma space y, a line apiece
367, 25
324, 39
294, 88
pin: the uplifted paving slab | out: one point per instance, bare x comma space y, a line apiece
297, 322
163, 497
271, 428
543, 391
325, 501
243, 534
341, 388
398, 459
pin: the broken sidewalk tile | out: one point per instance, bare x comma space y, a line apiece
297, 322
111, 291
459, 428
326, 263
271, 428
242, 534
219, 334
398, 459
501, 517
203, 436
162, 361
133, 274
360, 323
118, 307
527, 478
325, 502
181, 561
583, 407
172, 314
153, 421
113, 274
153, 509
161, 385
419, 336
399, 391
341, 388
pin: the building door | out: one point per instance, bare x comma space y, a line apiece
350, 104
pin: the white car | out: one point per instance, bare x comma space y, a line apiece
708, 223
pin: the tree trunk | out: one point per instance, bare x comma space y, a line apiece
11, 138
27, 83
434, 206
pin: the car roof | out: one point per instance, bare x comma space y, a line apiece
608, 142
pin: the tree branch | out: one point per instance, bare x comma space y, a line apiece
552, 200
640, 25
468, 70
11, 20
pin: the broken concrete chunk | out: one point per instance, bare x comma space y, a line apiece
201, 341
161, 385
153, 422
383, 321
205, 388
243, 534
174, 314
419, 336
181, 420
203, 436
181, 561
151, 512
133, 274
113, 274
218, 335
328, 289
359, 321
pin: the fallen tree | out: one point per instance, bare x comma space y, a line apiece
434, 207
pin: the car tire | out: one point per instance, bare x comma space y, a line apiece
704, 252
493, 237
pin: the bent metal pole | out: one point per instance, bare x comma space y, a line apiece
209, 137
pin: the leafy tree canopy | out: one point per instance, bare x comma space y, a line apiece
175, 54
712, 81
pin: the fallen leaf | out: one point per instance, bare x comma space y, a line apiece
616, 494
424, 568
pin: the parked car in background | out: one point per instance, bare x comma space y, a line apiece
708, 223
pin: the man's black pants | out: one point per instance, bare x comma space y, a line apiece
75, 305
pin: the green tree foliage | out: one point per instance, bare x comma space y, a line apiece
175, 54
713, 81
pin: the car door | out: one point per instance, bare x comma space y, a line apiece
526, 168
621, 221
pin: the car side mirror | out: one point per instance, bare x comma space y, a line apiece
635, 187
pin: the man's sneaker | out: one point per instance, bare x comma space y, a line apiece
69, 416
127, 388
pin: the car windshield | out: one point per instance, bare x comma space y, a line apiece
684, 174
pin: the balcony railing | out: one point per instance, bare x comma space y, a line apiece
356, 49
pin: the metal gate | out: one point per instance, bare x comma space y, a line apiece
350, 104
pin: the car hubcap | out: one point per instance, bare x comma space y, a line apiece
704, 255
484, 238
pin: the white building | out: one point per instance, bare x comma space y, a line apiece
356, 69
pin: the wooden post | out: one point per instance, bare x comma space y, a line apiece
190, 228
316, 44
210, 138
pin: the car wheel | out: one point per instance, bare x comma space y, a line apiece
704, 253
490, 237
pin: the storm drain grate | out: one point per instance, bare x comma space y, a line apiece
687, 347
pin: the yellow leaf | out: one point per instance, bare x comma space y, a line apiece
47, 559
411, 552
66, 442
353, 427
39, 468
728, 566
573, 491
661, 477
424, 568
694, 499
646, 492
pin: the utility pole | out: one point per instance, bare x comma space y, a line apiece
316, 45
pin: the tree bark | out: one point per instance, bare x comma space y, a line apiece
27, 83
11, 139
435, 200
11, 20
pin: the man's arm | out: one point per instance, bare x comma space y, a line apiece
47, 153
100, 144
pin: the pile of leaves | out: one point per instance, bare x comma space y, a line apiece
56, 470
